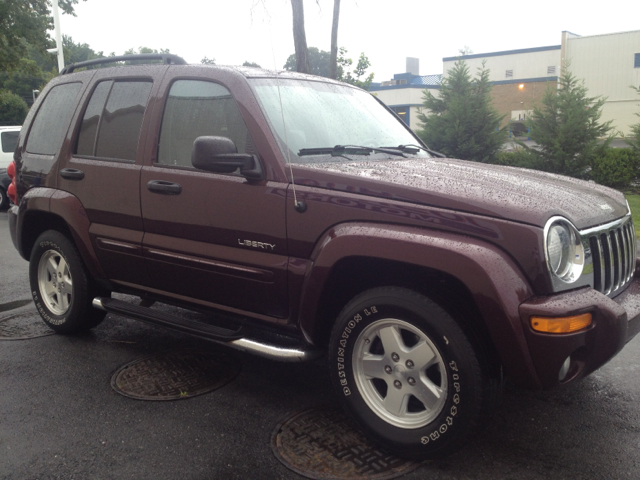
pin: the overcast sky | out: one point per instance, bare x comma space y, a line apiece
234, 31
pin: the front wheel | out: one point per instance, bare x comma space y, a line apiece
407, 374
61, 288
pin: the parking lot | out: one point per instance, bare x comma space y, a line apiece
60, 417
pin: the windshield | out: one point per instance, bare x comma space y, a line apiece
322, 115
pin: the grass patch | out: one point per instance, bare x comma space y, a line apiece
634, 204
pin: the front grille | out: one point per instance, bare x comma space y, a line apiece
613, 253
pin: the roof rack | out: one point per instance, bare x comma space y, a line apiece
167, 59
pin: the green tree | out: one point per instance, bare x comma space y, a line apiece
300, 37
141, 50
77, 52
208, 61
251, 64
566, 128
23, 80
133, 51
462, 122
73, 53
13, 109
333, 56
319, 64
356, 78
25, 22
635, 130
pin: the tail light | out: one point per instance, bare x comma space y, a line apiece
12, 190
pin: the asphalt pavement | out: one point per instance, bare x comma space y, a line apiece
60, 418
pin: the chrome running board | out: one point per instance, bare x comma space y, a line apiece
237, 339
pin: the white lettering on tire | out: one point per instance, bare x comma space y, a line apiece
435, 434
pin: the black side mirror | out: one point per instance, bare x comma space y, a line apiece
220, 155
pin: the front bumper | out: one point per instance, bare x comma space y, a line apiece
615, 322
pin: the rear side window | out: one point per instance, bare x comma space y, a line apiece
113, 118
9, 141
197, 108
89, 127
52, 120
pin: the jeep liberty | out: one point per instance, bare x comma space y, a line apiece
308, 216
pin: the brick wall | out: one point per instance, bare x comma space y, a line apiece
510, 97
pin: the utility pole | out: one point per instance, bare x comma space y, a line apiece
58, 34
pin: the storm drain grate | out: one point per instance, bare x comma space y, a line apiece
321, 443
23, 325
174, 375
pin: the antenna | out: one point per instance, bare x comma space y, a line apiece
299, 206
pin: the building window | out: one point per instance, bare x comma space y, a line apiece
636, 63
551, 70
508, 74
402, 112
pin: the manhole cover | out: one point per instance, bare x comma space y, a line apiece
321, 443
23, 325
174, 375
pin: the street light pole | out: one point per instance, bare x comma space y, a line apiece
58, 34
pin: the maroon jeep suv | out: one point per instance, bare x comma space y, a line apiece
290, 216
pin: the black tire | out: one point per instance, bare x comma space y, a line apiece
4, 199
422, 407
61, 288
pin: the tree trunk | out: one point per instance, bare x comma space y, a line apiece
333, 62
299, 37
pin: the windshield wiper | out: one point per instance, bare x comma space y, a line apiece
412, 148
341, 150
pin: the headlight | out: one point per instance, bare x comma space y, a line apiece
563, 250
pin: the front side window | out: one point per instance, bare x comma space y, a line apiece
113, 118
52, 120
194, 109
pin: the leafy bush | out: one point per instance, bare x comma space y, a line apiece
462, 122
519, 157
616, 167
566, 128
635, 129
13, 109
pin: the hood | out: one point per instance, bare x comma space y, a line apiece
516, 194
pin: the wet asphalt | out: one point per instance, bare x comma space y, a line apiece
60, 418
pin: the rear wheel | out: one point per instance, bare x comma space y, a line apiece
61, 288
407, 374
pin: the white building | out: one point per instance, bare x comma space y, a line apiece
512, 66
608, 64
404, 94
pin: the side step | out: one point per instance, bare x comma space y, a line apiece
233, 338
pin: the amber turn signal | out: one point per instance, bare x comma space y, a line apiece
561, 324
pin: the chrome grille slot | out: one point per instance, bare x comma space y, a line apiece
613, 255
597, 259
630, 235
624, 254
616, 259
